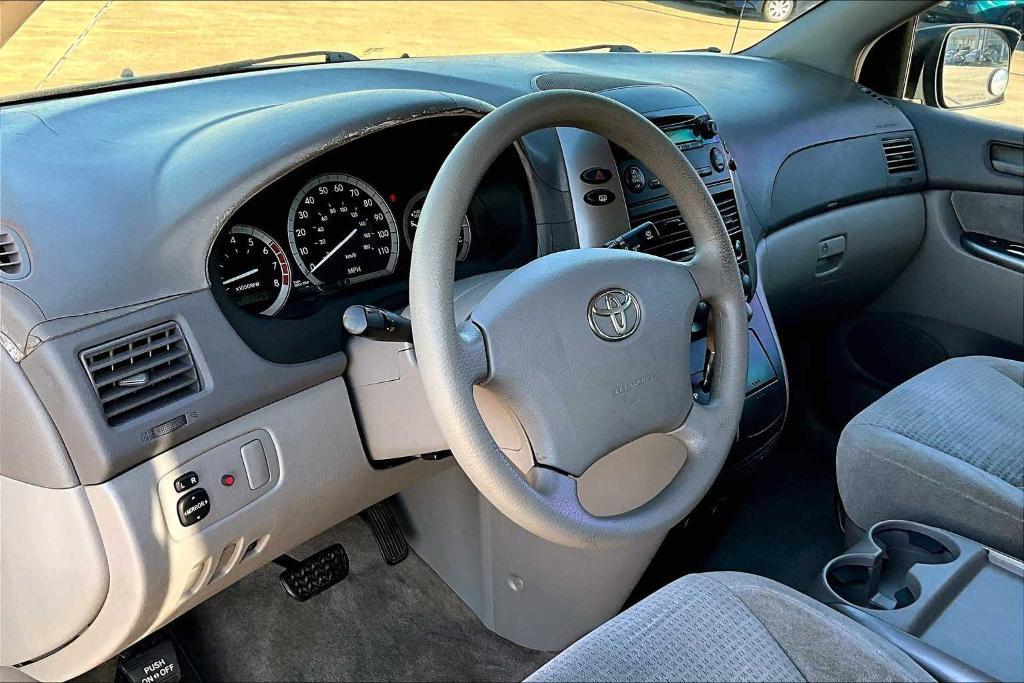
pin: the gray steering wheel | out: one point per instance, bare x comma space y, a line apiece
588, 347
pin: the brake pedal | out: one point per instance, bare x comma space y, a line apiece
303, 579
384, 525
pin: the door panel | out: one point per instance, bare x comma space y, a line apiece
958, 150
954, 298
950, 285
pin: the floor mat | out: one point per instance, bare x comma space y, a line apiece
782, 525
786, 528
381, 623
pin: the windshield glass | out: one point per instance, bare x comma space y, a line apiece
54, 43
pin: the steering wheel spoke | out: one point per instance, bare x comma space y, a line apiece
558, 489
471, 352
699, 429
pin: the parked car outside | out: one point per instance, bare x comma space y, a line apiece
1005, 12
774, 11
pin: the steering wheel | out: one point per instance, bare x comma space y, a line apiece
588, 347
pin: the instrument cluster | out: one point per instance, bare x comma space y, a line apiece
341, 229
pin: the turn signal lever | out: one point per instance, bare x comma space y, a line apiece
376, 323
636, 239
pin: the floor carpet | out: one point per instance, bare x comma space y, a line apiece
781, 525
381, 623
786, 528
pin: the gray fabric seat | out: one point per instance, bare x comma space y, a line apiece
728, 626
945, 448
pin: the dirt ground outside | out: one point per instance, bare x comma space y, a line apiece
68, 42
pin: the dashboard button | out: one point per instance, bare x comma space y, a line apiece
635, 179
599, 197
705, 171
717, 159
257, 469
596, 176
186, 481
193, 507
654, 184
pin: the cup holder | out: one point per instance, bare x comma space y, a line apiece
881, 579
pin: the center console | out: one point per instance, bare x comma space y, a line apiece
951, 604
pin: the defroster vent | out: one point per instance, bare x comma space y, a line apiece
144, 371
900, 155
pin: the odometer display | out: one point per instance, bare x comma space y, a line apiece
341, 231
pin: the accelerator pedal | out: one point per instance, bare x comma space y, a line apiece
384, 525
302, 579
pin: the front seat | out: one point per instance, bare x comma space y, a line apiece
728, 626
945, 448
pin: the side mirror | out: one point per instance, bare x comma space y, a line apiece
961, 66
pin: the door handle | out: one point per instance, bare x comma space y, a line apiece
1007, 158
1001, 252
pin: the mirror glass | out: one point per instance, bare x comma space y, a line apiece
975, 67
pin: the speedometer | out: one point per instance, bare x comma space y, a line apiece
341, 231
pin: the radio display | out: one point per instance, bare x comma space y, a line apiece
681, 135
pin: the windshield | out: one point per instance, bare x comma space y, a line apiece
54, 44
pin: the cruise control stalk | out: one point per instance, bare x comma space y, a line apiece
376, 323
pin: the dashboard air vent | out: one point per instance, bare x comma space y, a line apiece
674, 241
139, 373
12, 254
900, 155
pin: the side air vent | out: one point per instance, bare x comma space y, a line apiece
13, 259
139, 373
900, 155
675, 242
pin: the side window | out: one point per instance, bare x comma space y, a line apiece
968, 56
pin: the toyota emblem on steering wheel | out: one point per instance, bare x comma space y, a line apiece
614, 314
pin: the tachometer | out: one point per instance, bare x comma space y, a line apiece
254, 270
412, 220
341, 230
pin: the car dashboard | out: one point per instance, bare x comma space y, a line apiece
210, 233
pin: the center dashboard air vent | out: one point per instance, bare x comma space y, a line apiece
141, 372
675, 242
900, 155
